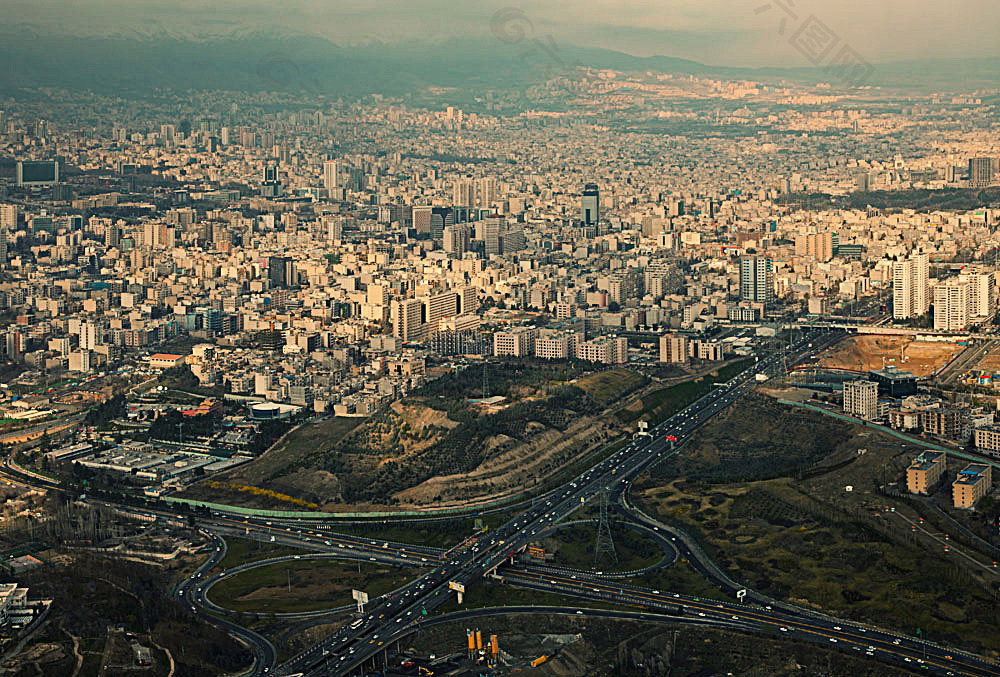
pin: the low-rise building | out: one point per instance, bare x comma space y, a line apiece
971, 484
925, 472
987, 440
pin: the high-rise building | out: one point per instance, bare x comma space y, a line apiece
433, 220
456, 239
492, 235
437, 307
756, 279
910, 296
8, 217
331, 174
861, 399
982, 292
486, 192
951, 305
673, 348
590, 205
465, 193
816, 245
981, 171
280, 271
862, 182
407, 322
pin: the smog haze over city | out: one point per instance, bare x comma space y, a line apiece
561, 338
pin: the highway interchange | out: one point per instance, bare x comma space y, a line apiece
396, 615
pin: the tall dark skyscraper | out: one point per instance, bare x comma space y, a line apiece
981, 171
590, 205
278, 269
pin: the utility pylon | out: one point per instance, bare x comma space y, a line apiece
604, 543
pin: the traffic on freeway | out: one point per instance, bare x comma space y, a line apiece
353, 645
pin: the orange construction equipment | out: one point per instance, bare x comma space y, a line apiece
472, 641
538, 661
479, 639
494, 645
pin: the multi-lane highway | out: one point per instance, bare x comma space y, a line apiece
353, 645
394, 616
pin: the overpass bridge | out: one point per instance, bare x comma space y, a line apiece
925, 334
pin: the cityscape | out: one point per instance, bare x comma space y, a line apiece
410, 340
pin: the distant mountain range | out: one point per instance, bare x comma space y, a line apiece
256, 59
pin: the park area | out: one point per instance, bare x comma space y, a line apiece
867, 352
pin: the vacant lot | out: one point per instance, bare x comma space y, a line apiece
867, 352
990, 363
306, 585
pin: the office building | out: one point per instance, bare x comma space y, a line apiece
590, 205
42, 173
493, 235
280, 271
894, 382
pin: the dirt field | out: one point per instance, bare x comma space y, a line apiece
867, 352
990, 363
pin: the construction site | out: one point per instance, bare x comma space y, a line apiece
483, 655
920, 356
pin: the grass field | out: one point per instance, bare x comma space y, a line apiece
608, 386
306, 585
661, 404
801, 536
241, 551
574, 547
737, 445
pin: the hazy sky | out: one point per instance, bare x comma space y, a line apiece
719, 32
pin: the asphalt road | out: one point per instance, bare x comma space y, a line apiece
353, 645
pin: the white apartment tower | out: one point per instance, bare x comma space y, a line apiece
951, 305
331, 174
910, 296
861, 399
982, 292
